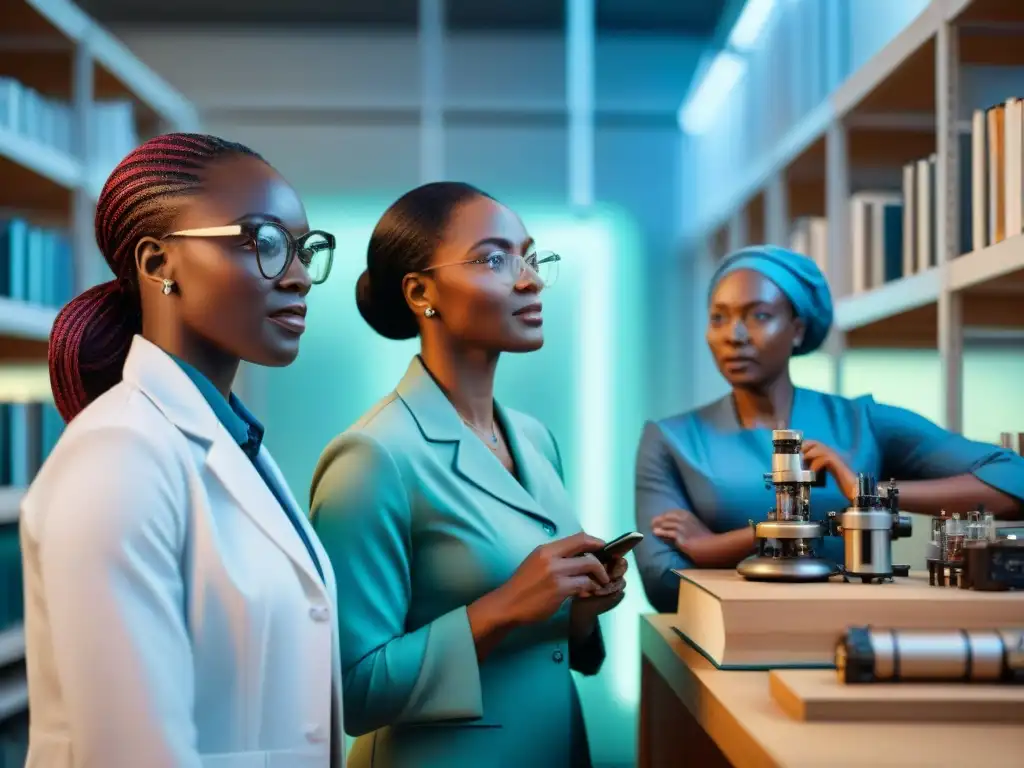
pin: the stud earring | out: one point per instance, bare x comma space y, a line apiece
168, 287
429, 312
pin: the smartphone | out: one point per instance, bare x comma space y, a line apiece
618, 547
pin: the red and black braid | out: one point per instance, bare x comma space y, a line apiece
92, 333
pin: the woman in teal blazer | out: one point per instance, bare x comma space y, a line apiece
468, 592
699, 474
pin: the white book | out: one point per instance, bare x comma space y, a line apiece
979, 181
860, 233
923, 216
1012, 159
876, 244
800, 237
909, 219
867, 217
819, 243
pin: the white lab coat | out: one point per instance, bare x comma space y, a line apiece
173, 617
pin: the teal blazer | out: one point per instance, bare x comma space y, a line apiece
420, 519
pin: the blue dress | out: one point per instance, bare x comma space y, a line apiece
705, 462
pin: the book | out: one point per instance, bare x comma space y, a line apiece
745, 625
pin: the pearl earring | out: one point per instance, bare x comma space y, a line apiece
429, 312
168, 287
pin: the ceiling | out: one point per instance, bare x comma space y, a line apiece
691, 18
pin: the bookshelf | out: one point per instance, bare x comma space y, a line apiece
59, 73
73, 101
909, 106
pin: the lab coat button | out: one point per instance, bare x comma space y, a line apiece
319, 613
549, 529
557, 656
314, 733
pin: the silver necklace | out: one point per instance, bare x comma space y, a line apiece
491, 439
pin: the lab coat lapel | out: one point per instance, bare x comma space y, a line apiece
238, 475
474, 461
270, 466
157, 376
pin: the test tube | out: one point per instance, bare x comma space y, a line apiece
975, 527
954, 549
990, 526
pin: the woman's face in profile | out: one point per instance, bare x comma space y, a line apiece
483, 296
751, 329
224, 298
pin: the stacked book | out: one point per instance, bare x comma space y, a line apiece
996, 160
877, 249
809, 236
36, 264
50, 122
28, 432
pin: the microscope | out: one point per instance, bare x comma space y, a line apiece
869, 528
786, 541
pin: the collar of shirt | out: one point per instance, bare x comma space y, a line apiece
243, 427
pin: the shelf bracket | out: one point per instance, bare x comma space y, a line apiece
431, 52
837, 210
776, 210
88, 268
947, 190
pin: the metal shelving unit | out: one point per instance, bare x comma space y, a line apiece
903, 104
56, 49
51, 45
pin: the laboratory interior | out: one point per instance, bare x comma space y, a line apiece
781, 346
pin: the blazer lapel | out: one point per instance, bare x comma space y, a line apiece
153, 372
474, 461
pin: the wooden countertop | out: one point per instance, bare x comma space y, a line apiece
736, 710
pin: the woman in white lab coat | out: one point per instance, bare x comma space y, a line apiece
179, 608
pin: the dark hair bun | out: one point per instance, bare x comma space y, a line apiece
387, 313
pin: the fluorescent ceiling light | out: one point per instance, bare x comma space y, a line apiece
751, 23
697, 113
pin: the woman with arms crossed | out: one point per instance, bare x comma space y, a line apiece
699, 474
469, 595
179, 609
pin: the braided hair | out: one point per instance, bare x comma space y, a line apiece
91, 335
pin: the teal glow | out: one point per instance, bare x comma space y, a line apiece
912, 379
585, 384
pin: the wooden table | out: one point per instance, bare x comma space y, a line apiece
692, 714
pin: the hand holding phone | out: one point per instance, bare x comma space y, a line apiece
618, 547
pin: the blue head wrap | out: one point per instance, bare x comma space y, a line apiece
798, 277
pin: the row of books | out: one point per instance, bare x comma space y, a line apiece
36, 264
28, 432
809, 236
1012, 441
997, 168
51, 122
894, 233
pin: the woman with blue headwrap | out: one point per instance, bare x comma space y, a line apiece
699, 474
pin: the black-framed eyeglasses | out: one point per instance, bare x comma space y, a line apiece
509, 267
276, 247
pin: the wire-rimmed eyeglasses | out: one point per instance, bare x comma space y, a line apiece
510, 267
276, 247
